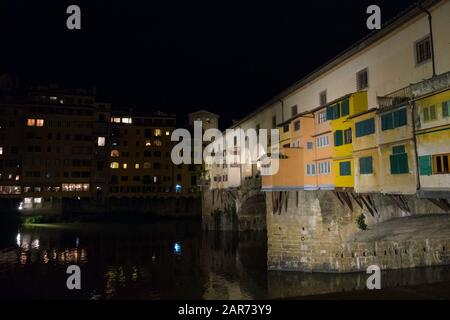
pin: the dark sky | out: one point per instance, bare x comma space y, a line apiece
227, 57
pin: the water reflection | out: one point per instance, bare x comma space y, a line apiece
170, 260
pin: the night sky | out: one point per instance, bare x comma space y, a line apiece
227, 57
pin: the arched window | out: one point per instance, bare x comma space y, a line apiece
114, 165
114, 153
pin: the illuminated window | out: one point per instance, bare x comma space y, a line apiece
75, 187
37, 200
157, 132
101, 141
148, 143
155, 179
147, 165
167, 133
31, 122
17, 178
39, 122
127, 120
1, 150
125, 165
114, 153
158, 143
114, 165
115, 120
136, 166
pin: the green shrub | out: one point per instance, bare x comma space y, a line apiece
361, 222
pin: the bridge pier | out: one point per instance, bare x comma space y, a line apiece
316, 231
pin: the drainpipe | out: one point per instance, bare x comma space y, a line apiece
413, 112
282, 109
431, 36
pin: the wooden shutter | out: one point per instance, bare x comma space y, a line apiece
425, 166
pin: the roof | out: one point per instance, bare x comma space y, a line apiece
403, 17
204, 111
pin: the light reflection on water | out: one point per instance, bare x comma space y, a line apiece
166, 260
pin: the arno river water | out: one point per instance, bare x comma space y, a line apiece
163, 260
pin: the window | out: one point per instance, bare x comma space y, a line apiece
310, 145
394, 119
345, 168
323, 98
441, 164
136, 166
333, 112
114, 153
71, 187
338, 138
115, 120
365, 165
425, 165
125, 165
157, 132
294, 111
101, 141
399, 160
158, 143
148, 143
446, 109
167, 133
286, 128
114, 165
429, 113
362, 80
1, 150
274, 122
127, 120
322, 117
297, 125
31, 122
147, 165
365, 128
324, 168
39, 122
323, 141
423, 50
348, 136
311, 169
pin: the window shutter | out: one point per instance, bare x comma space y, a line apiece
445, 109
425, 166
399, 118
329, 113
394, 164
426, 114
345, 108
398, 149
432, 113
338, 138
403, 163
386, 122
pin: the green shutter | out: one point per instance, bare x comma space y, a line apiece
371, 126
446, 109
330, 113
394, 165
345, 108
365, 165
400, 118
399, 163
425, 166
345, 169
338, 138
359, 129
387, 122
403, 163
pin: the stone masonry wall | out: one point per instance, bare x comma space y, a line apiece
315, 234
